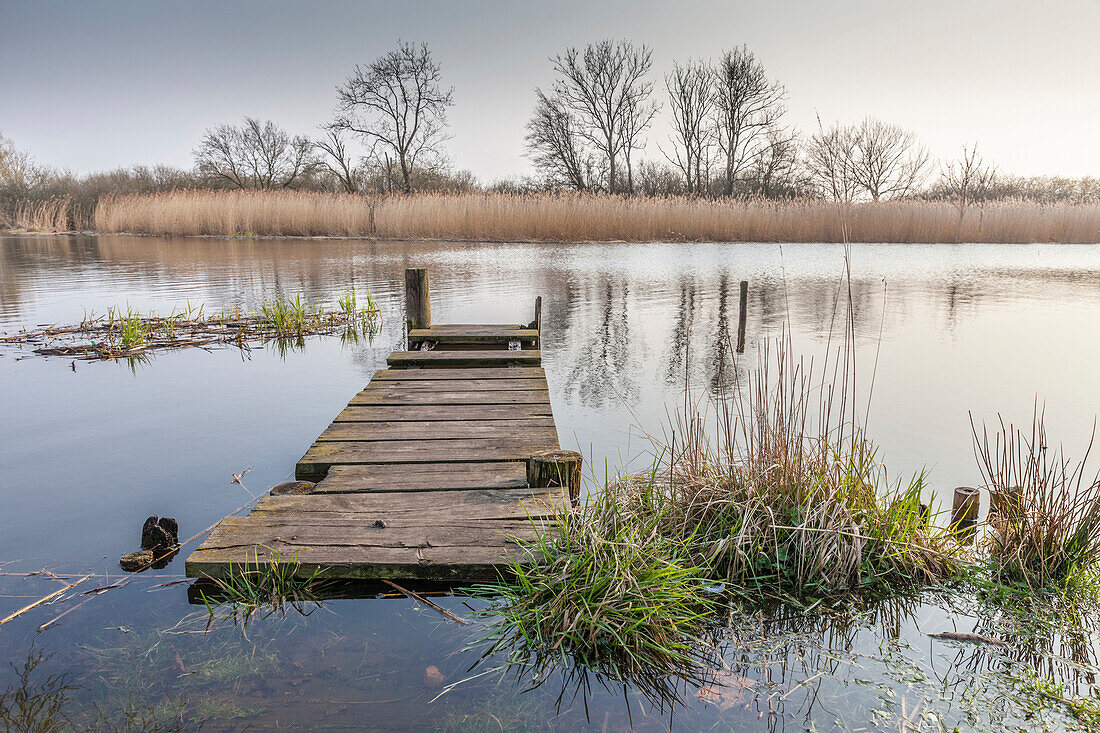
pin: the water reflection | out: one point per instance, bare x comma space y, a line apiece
88, 454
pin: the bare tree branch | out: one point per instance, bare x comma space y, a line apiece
397, 101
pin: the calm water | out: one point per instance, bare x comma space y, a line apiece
88, 453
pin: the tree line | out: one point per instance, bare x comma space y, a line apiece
588, 131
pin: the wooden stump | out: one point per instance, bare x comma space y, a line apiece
418, 301
293, 487
1005, 500
556, 468
964, 508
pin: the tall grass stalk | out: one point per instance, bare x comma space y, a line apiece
49, 215
1048, 533
589, 217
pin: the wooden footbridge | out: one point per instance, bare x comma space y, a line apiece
433, 471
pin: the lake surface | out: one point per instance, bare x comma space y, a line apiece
88, 450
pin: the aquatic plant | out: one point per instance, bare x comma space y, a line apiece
286, 317
36, 702
263, 587
1046, 530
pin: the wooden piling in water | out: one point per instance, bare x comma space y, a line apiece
742, 316
964, 508
1004, 499
418, 302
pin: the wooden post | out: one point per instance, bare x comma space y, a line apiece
556, 468
964, 509
537, 323
1005, 499
418, 301
742, 316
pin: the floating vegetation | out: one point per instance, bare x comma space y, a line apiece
128, 334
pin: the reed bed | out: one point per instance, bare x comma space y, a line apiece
1045, 533
568, 217
783, 498
49, 215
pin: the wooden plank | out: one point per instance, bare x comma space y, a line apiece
405, 375
416, 477
474, 335
458, 385
445, 359
413, 507
320, 456
542, 428
352, 562
354, 549
405, 397
442, 413
473, 327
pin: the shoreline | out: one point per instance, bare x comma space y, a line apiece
457, 240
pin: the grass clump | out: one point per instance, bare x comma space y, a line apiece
769, 505
1046, 530
263, 587
607, 589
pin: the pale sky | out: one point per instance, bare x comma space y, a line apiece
95, 85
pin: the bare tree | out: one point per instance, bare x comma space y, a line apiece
690, 91
969, 179
829, 160
747, 106
555, 144
338, 161
255, 155
776, 168
399, 103
887, 160
20, 174
607, 90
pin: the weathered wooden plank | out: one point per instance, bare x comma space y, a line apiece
381, 396
470, 327
473, 358
473, 335
542, 428
458, 562
321, 455
417, 477
287, 534
458, 373
355, 549
442, 413
458, 385
431, 507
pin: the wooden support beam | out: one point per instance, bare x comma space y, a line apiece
418, 302
742, 316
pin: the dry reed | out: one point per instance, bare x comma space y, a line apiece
588, 217
49, 215
1047, 528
